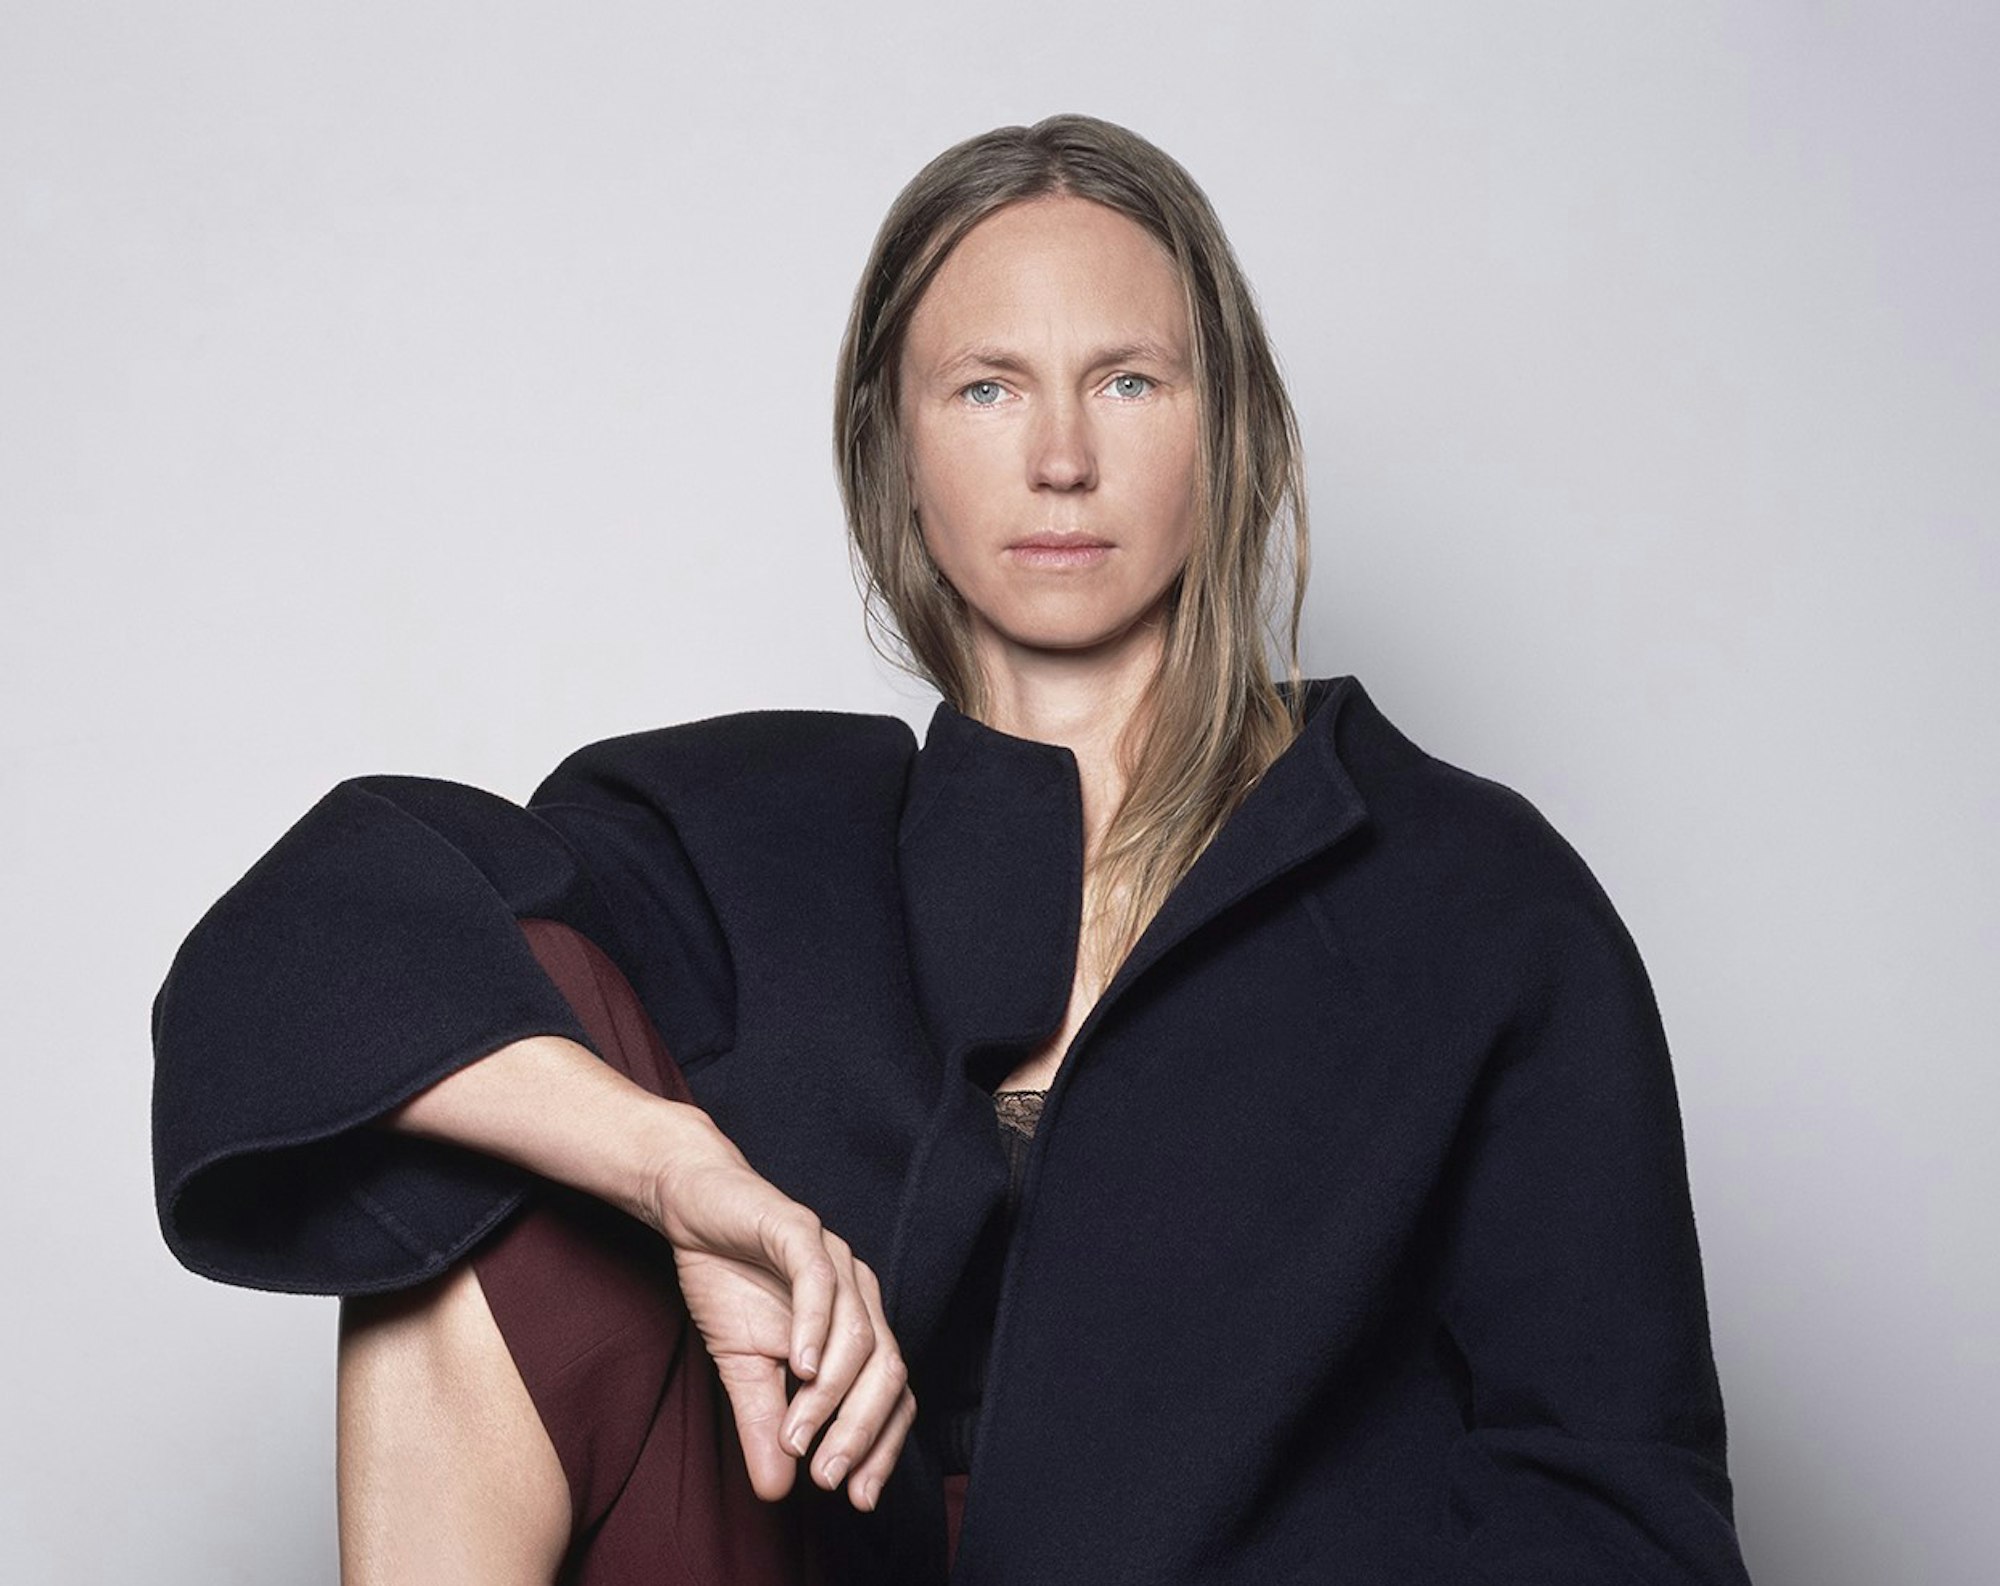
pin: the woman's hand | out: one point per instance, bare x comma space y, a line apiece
768, 1285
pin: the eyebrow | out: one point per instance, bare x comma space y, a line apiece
989, 356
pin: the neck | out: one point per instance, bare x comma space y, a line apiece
1082, 699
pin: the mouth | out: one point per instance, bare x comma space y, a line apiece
1053, 549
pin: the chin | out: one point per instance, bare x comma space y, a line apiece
1065, 631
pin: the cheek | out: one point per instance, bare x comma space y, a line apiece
1172, 474
953, 488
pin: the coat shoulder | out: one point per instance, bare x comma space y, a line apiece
1477, 837
791, 751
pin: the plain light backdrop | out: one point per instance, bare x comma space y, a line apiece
435, 388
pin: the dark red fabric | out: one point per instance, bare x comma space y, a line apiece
587, 1302
954, 1512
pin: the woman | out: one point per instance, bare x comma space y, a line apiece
1168, 1128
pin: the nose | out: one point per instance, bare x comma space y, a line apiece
1062, 453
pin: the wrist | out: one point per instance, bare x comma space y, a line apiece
668, 1139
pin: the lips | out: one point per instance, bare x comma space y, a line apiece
1050, 551
1060, 542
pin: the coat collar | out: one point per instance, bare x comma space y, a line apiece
991, 858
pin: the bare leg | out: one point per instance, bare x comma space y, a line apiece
548, 1405
446, 1474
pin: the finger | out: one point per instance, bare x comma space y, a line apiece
756, 1388
796, 1245
865, 1483
850, 1343
866, 1408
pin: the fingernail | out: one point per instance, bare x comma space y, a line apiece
835, 1469
795, 1437
809, 1361
871, 1489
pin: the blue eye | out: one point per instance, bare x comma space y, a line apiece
1126, 380
982, 385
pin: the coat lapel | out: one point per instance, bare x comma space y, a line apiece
992, 865
991, 857
990, 853
1304, 804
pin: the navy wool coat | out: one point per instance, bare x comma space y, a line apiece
1356, 1241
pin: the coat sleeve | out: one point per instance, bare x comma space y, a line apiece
374, 949
1595, 1445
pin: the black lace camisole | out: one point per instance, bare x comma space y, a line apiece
965, 1332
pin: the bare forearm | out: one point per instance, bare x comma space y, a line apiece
774, 1292
549, 1105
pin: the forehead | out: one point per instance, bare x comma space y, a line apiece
1048, 269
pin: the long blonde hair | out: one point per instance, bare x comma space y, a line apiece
1211, 720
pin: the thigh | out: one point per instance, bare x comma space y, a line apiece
445, 1473
586, 1301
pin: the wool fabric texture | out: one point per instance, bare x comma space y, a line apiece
1355, 1240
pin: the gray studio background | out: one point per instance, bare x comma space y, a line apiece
435, 388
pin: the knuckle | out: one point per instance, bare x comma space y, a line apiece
787, 1227
810, 1412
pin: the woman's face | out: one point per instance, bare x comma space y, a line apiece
1051, 425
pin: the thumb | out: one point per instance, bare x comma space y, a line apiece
756, 1388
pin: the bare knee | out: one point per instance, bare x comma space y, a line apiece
446, 1473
